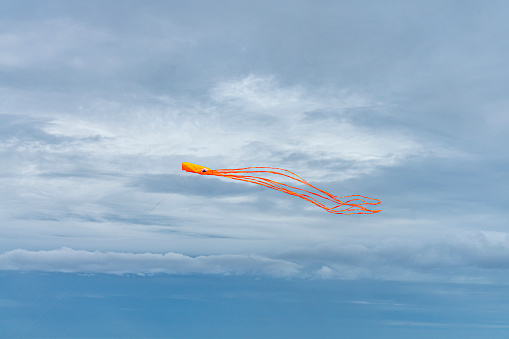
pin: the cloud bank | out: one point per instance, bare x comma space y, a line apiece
480, 257
70, 260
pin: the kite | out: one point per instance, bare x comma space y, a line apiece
351, 204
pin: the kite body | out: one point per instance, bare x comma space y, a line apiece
193, 168
351, 204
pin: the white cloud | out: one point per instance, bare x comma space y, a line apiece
82, 167
475, 257
251, 121
259, 93
325, 273
70, 260
76, 129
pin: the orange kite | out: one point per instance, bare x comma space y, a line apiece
351, 204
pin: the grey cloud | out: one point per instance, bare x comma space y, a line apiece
338, 42
23, 127
473, 256
401, 101
190, 184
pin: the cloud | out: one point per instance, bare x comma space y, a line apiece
106, 165
472, 257
251, 120
72, 161
70, 260
261, 92
475, 257
100, 107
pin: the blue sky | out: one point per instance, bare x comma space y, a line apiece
402, 101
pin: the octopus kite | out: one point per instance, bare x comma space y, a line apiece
351, 204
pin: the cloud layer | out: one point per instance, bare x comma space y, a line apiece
477, 258
69, 260
404, 103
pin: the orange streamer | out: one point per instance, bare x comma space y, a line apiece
351, 204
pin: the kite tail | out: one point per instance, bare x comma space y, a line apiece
351, 204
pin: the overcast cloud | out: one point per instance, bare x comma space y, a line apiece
401, 101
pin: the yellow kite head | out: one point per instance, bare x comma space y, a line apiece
193, 168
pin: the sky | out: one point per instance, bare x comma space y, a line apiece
403, 101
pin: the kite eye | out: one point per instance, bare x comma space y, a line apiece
203, 170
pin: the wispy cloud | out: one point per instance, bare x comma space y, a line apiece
253, 120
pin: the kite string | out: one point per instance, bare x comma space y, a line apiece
51, 305
178, 185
